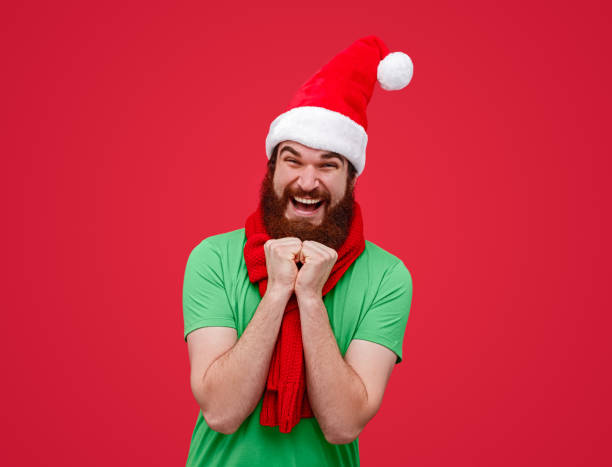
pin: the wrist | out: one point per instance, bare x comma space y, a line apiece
278, 293
308, 297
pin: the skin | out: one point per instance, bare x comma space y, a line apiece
228, 374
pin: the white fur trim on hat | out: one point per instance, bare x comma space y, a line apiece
394, 71
320, 128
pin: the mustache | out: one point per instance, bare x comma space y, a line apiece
290, 192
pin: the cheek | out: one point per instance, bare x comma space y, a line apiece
337, 188
278, 184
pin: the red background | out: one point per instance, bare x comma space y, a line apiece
132, 131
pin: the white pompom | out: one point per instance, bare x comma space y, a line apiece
394, 71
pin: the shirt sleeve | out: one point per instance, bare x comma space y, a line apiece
385, 321
205, 301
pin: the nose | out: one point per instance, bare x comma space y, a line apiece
308, 179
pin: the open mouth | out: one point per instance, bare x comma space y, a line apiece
306, 205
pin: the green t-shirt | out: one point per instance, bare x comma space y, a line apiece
371, 302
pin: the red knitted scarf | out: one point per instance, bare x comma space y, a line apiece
285, 400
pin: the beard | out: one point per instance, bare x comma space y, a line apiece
334, 227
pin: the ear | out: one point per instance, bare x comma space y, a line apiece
350, 185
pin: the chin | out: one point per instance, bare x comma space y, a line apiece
309, 220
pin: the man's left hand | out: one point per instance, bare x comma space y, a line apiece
317, 262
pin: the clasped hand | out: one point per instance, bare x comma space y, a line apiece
282, 256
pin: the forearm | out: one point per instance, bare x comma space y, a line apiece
233, 384
336, 393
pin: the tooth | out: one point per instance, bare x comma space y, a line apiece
305, 200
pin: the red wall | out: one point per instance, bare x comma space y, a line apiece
131, 132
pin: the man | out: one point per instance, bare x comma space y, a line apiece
295, 322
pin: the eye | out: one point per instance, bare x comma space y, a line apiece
330, 164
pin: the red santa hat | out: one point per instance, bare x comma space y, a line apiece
329, 111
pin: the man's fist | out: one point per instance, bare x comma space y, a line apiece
282, 254
317, 262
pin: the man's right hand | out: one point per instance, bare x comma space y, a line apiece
282, 254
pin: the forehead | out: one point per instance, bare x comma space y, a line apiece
299, 150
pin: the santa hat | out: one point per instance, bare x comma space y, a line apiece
329, 111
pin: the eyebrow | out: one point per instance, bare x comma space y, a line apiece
327, 155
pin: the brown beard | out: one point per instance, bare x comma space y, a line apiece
334, 227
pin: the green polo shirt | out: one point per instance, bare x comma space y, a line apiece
370, 302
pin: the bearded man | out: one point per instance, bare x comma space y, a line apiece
295, 322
